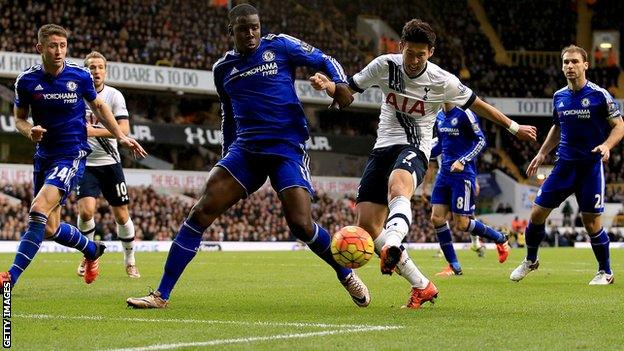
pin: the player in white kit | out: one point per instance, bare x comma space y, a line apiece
414, 90
103, 174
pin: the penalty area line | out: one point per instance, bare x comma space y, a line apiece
256, 339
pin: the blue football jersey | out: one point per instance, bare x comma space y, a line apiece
583, 117
57, 103
459, 138
260, 108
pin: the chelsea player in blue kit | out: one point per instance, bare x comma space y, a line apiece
54, 92
264, 133
587, 125
460, 141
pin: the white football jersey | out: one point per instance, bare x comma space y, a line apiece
410, 105
105, 149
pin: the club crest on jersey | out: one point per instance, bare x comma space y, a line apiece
268, 56
454, 122
585, 102
72, 86
427, 90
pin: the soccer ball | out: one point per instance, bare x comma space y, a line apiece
352, 247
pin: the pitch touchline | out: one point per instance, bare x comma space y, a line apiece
202, 321
256, 339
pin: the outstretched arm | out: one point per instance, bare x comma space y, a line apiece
485, 110
104, 114
304, 54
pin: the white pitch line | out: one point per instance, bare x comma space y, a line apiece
201, 321
255, 339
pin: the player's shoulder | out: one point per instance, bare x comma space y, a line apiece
385, 60
286, 41
282, 37
112, 91
31, 73
437, 74
598, 90
223, 60
562, 92
72, 67
394, 58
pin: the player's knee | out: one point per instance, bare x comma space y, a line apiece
437, 220
462, 223
86, 214
539, 214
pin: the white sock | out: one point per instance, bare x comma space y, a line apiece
87, 228
125, 233
399, 220
408, 270
474, 239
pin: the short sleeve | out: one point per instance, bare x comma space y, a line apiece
22, 97
458, 94
369, 76
118, 106
87, 87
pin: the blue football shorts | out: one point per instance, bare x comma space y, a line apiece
61, 172
455, 191
585, 179
251, 169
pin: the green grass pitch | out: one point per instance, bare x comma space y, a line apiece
292, 301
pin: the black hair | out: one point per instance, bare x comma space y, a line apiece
417, 31
241, 10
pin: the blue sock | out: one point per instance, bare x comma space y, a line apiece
446, 244
320, 244
183, 249
600, 245
29, 244
70, 236
482, 230
533, 236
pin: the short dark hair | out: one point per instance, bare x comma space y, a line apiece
418, 31
241, 10
50, 29
574, 48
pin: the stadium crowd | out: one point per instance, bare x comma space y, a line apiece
157, 216
192, 34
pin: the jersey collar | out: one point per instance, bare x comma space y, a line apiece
419, 74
